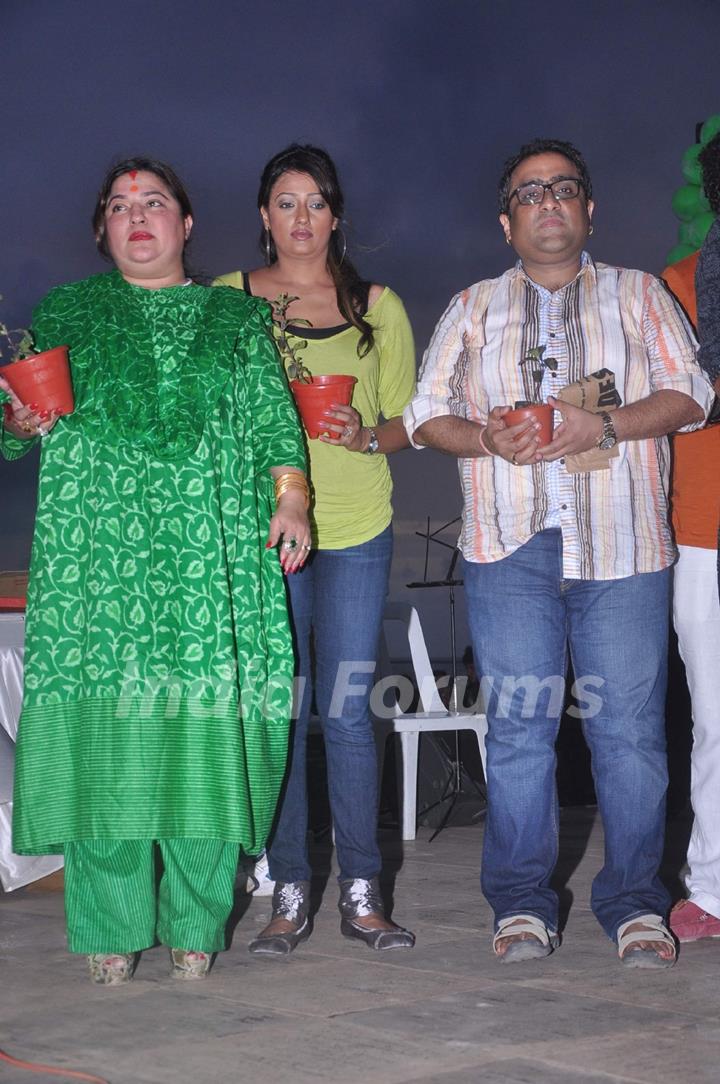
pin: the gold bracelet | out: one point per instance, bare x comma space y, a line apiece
280, 490
292, 480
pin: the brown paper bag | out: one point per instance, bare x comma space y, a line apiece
595, 392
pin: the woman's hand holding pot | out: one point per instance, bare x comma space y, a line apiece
344, 427
25, 422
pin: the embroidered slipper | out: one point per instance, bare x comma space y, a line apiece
541, 942
112, 968
190, 965
654, 929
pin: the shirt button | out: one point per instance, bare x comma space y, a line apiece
563, 463
552, 334
564, 506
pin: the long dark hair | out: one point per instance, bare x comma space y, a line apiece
143, 165
351, 290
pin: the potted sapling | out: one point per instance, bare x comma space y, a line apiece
38, 378
314, 395
534, 365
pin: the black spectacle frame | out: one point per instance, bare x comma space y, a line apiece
549, 187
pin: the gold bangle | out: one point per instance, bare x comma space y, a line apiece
295, 476
286, 489
292, 480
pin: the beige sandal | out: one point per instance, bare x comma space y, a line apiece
112, 968
654, 930
190, 965
541, 942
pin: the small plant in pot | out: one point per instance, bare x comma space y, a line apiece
534, 407
40, 378
314, 395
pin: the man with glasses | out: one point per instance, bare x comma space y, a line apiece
566, 544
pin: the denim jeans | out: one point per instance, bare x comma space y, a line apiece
338, 598
523, 618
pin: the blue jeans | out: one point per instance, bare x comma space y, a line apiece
338, 598
523, 618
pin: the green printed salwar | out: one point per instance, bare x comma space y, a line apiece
113, 903
158, 664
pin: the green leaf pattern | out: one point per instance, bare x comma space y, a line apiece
156, 616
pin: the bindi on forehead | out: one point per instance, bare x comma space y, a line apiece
135, 189
133, 174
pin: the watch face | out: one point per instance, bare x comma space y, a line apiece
606, 443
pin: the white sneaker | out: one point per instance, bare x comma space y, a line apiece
259, 882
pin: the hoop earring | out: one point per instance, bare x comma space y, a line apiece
508, 241
591, 231
344, 244
268, 251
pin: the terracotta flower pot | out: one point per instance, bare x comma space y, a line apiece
313, 400
43, 379
544, 414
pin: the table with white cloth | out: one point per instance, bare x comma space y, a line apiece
15, 870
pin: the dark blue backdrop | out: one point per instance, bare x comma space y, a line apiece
420, 101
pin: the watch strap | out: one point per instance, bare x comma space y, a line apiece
374, 443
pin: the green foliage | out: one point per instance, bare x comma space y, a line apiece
539, 363
686, 202
680, 252
19, 342
699, 228
283, 336
690, 165
710, 128
689, 202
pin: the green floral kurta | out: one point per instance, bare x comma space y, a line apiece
158, 663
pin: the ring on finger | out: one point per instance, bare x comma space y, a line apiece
291, 544
347, 430
514, 459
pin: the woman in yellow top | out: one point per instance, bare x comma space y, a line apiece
338, 598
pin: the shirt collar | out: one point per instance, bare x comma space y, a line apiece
587, 269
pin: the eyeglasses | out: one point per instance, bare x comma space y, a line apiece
534, 191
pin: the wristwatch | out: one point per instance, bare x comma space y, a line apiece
609, 436
374, 443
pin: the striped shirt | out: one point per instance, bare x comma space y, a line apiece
614, 522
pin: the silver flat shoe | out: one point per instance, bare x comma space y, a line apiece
291, 901
358, 899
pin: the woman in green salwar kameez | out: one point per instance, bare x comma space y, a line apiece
158, 665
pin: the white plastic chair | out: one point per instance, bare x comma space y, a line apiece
433, 717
